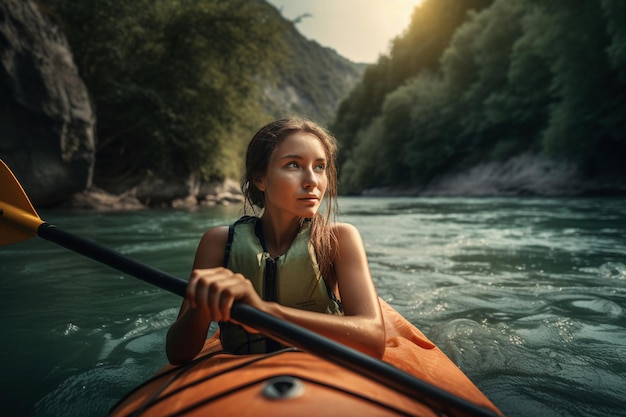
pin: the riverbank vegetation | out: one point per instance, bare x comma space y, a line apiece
179, 87
474, 81
169, 80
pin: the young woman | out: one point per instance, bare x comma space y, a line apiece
292, 262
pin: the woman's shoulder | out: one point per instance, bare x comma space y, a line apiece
345, 228
346, 232
210, 252
218, 233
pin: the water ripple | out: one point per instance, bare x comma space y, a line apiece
527, 296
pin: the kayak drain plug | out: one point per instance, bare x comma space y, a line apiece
283, 388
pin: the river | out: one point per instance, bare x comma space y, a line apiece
526, 295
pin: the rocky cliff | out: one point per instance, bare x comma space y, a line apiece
523, 175
46, 120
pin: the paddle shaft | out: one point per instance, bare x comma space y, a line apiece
279, 329
113, 259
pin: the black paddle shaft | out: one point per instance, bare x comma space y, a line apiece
281, 330
113, 259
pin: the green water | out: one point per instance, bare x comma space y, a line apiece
527, 296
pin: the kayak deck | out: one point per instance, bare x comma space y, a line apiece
290, 382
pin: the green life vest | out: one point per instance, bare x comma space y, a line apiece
292, 279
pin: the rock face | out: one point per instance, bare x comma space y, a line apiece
523, 175
46, 120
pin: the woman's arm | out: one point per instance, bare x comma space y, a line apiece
187, 335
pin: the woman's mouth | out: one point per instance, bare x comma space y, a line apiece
309, 199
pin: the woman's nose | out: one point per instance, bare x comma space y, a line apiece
309, 179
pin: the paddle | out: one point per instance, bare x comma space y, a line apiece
19, 221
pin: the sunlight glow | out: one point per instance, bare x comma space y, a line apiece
359, 30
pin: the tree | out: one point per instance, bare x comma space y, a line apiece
174, 82
519, 76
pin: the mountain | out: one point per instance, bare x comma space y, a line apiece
313, 81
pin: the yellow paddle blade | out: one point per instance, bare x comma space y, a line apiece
18, 218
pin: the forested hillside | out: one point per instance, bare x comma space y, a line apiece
312, 81
178, 88
472, 81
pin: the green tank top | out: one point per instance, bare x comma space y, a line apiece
292, 279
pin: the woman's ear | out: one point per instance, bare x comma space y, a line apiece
259, 182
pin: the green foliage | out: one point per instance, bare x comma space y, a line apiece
174, 82
419, 49
615, 14
515, 76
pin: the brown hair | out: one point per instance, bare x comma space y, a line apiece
260, 149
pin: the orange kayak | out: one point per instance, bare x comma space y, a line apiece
294, 383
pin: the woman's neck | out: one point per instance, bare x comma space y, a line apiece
279, 233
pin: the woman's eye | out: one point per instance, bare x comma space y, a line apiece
316, 167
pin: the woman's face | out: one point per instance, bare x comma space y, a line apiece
296, 177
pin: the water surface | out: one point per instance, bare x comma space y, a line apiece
527, 296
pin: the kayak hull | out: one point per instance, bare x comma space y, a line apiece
291, 382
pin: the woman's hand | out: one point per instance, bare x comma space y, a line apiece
213, 291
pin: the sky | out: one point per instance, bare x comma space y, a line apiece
360, 30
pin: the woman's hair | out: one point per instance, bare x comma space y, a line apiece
258, 155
